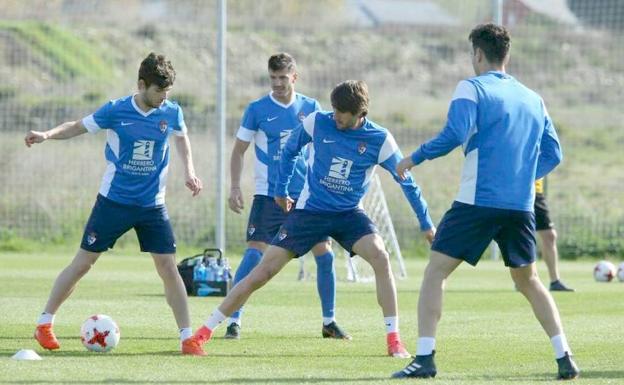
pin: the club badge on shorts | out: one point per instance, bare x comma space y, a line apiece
91, 238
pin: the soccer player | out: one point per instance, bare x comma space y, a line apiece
269, 122
345, 148
132, 193
546, 230
509, 141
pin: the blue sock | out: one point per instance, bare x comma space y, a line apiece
326, 283
251, 259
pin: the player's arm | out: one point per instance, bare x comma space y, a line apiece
461, 118
300, 136
550, 149
63, 131
390, 156
235, 200
183, 146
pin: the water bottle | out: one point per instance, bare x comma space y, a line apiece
211, 270
199, 272
227, 275
219, 273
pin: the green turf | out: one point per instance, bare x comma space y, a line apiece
487, 335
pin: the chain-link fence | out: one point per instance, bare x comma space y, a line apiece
60, 60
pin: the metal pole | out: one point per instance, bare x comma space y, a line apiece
497, 15
221, 110
497, 11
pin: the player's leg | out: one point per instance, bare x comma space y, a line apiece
63, 286
545, 310
265, 218
175, 292
463, 235
251, 259
548, 236
156, 237
274, 259
529, 284
372, 249
107, 222
549, 252
438, 269
518, 247
299, 233
326, 286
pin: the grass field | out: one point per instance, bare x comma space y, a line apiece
487, 335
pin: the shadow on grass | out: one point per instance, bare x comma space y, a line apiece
544, 377
176, 353
240, 380
535, 377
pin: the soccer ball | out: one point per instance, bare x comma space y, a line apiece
99, 333
604, 271
620, 272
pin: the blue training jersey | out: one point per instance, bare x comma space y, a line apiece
507, 137
341, 164
269, 124
137, 149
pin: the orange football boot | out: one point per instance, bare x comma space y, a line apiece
395, 346
46, 338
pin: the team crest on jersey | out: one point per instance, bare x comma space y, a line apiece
301, 116
361, 148
163, 126
282, 235
251, 230
91, 238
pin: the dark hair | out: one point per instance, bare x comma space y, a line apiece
281, 61
156, 69
493, 40
351, 96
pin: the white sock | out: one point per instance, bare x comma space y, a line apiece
560, 345
392, 324
328, 320
185, 333
46, 318
215, 319
235, 321
425, 346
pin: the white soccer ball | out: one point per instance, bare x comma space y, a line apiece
604, 271
99, 333
620, 272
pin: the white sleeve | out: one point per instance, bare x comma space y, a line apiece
388, 148
245, 134
308, 123
90, 124
465, 90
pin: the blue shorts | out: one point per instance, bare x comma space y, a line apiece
265, 219
466, 231
304, 228
109, 220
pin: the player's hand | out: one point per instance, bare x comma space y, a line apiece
404, 166
235, 200
194, 184
285, 203
34, 137
429, 234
